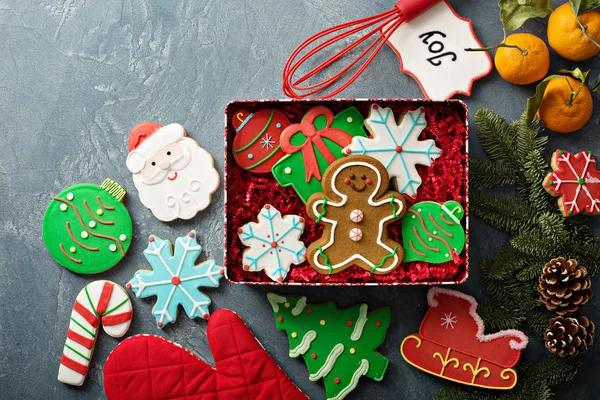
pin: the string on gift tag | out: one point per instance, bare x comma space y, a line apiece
380, 27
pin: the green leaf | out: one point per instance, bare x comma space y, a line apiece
581, 6
596, 87
533, 103
513, 13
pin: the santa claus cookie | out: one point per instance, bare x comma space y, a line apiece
355, 208
174, 176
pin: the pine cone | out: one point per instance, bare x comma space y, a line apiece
565, 287
569, 336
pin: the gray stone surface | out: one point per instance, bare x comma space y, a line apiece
76, 75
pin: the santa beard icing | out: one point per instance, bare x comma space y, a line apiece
184, 188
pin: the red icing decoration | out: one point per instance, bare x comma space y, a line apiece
368, 181
314, 137
280, 319
453, 329
337, 380
151, 239
314, 356
175, 280
273, 244
265, 147
205, 316
141, 132
243, 369
445, 180
398, 149
191, 234
350, 323
309, 310
576, 179
347, 181
378, 323
128, 286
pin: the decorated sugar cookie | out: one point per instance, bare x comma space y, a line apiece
99, 303
452, 344
175, 278
313, 145
174, 176
433, 232
355, 209
338, 346
150, 367
397, 146
575, 181
273, 243
86, 227
256, 146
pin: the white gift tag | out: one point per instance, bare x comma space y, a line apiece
431, 49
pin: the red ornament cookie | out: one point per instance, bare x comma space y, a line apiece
575, 181
256, 145
152, 368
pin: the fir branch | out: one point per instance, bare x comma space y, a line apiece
537, 322
531, 271
485, 174
497, 318
503, 211
554, 370
507, 262
496, 137
534, 244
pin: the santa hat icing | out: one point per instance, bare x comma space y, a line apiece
147, 139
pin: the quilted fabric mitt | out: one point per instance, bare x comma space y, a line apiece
152, 368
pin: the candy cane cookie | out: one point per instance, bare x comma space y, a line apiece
102, 302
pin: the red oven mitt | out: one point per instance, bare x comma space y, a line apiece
148, 367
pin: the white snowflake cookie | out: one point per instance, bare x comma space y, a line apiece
397, 146
273, 243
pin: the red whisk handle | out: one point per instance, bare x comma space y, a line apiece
411, 9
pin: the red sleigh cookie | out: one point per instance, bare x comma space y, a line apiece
576, 180
451, 344
152, 368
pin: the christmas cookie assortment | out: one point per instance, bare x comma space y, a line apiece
367, 192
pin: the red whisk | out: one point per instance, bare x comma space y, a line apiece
384, 24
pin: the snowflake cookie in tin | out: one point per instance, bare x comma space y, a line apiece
575, 181
175, 278
397, 146
273, 243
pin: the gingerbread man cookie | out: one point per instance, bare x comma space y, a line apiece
356, 208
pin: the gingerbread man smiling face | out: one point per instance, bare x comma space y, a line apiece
355, 208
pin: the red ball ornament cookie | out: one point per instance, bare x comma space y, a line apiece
256, 145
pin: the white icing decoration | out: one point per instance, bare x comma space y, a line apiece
94, 289
334, 223
450, 214
326, 368
92, 224
299, 307
356, 234
84, 235
451, 70
362, 370
304, 345
287, 170
360, 323
397, 147
70, 196
267, 141
63, 207
123, 237
185, 187
275, 300
112, 247
273, 243
356, 216
349, 119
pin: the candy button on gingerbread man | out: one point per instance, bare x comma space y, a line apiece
356, 208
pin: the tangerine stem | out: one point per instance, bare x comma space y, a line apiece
514, 46
584, 30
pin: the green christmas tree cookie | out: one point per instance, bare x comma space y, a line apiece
338, 346
86, 227
313, 145
432, 232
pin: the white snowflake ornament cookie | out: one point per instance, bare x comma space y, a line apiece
273, 243
397, 146
175, 278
